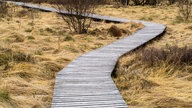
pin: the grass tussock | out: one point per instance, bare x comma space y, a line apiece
69, 38
22, 57
169, 55
4, 95
115, 31
7, 55
134, 83
171, 103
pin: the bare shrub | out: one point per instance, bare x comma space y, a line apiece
185, 8
151, 2
3, 8
78, 13
123, 2
145, 2
170, 55
138, 2
172, 1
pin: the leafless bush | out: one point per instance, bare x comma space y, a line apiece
3, 8
78, 13
170, 55
138, 2
172, 1
145, 2
123, 2
185, 8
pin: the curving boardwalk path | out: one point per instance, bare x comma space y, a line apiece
86, 82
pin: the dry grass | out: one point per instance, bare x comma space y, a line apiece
163, 86
34, 48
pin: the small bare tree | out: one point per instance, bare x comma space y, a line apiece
185, 8
78, 13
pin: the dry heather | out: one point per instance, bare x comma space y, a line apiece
35, 46
162, 86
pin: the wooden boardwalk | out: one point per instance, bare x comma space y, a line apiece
86, 82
